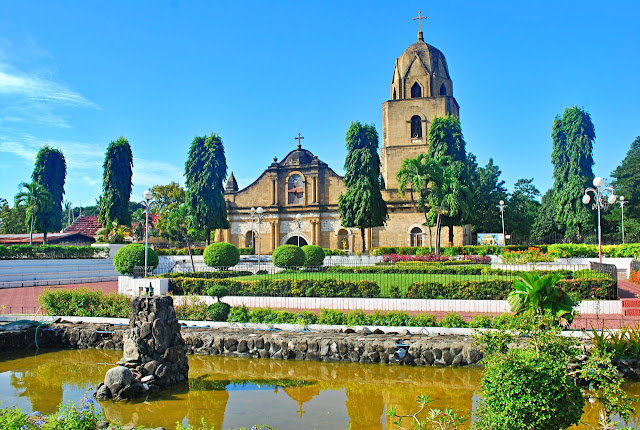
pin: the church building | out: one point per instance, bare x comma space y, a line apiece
299, 194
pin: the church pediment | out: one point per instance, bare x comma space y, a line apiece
417, 68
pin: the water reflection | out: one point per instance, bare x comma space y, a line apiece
231, 392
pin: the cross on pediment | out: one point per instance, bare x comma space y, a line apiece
299, 139
420, 18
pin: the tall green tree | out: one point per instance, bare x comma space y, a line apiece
206, 170
626, 182
12, 219
573, 137
488, 190
545, 229
522, 211
180, 228
116, 185
362, 205
35, 198
50, 171
420, 176
445, 139
167, 197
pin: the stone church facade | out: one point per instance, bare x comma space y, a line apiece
301, 184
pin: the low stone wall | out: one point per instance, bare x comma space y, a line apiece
347, 346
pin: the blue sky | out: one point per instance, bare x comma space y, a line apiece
77, 75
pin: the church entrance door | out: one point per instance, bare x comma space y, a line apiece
294, 241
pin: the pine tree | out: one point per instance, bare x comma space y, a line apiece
362, 206
50, 171
206, 170
116, 185
573, 136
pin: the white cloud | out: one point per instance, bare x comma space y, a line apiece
147, 173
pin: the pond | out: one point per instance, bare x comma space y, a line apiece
233, 392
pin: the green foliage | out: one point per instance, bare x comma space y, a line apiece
573, 136
167, 198
85, 303
523, 209
221, 254
544, 225
626, 181
130, 256
453, 319
36, 199
46, 252
218, 291
362, 205
288, 256
487, 189
12, 219
524, 391
481, 321
205, 171
313, 255
434, 419
69, 417
535, 295
193, 310
219, 311
339, 252
116, 184
179, 251
622, 343
50, 171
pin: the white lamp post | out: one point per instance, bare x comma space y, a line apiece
259, 212
501, 206
622, 203
298, 217
253, 215
599, 202
148, 199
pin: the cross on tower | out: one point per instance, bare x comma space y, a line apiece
299, 139
420, 18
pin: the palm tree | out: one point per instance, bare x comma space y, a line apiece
420, 175
35, 197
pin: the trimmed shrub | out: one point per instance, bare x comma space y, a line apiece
130, 256
218, 291
334, 252
288, 256
313, 255
221, 254
15, 252
219, 311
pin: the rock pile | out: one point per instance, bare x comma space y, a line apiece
154, 352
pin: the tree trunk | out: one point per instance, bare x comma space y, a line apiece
44, 238
363, 245
429, 230
207, 233
579, 238
451, 234
438, 233
31, 232
193, 266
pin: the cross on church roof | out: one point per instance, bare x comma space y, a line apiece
420, 18
299, 139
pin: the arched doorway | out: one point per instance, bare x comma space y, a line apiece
250, 240
343, 239
416, 236
297, 240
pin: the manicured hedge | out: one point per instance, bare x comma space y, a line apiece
452, 250
339, 252
278, 287
131, 256
83, 302
221, 254
221, 274
288, 256
313, 255
17, 252
195, 251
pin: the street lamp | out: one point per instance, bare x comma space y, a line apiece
599, 203
298, 217
146, 204
253, 215
501, 206
259, 212
622, 203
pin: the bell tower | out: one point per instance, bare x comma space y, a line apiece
421, 89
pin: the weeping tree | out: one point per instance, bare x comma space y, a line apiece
35, 199
573, 135
50, 171
206, 170
446, 140
116, 185
362, 205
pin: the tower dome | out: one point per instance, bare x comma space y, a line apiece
421, 71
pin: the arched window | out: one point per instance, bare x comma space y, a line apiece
443, 90
416, 91
416, 236
250, 241
394, 93
343, 239
416, 127
295, 190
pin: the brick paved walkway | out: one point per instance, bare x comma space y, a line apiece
24, 300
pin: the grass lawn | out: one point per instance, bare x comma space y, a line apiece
384, 280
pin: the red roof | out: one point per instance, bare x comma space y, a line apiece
52, 238
85, 224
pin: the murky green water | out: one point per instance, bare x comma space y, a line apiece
231, 392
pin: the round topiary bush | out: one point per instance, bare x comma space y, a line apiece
288, 256
221, 254
219, 311
313, 255
130, 256
218, 291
